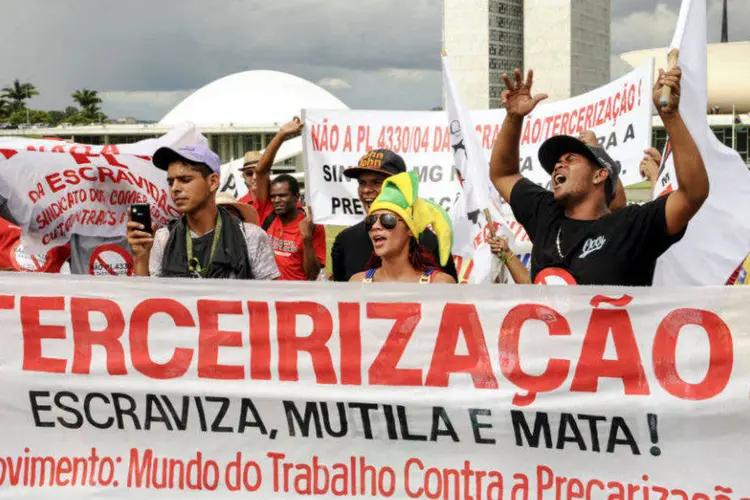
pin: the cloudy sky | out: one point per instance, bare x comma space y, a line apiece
144, 56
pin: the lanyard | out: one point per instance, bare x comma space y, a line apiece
194, 266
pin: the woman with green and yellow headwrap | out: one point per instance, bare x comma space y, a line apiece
395, 221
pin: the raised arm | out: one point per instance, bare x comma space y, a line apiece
518, 103
692, 178
518, 271
263, 170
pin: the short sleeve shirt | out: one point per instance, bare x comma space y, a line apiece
259, 252
620, 248
289, 249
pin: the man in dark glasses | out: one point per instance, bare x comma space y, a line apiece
352, 248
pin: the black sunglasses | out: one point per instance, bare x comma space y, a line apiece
387, 220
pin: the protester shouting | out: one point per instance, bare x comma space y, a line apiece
395, 221
207, 241
299, 245
261, 171
576, 237
352, 247
501, 249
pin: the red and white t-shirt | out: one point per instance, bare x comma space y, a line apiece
15, 257
288, 247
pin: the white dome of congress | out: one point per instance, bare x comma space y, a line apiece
728, 73
251, 98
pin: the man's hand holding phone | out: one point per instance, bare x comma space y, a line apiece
140, 232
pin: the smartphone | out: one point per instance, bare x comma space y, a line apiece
141, 213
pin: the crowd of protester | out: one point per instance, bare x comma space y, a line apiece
582, 226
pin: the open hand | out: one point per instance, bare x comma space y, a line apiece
517, 99
671, 79
292, 128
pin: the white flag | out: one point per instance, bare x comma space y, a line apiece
470, 224
718, 238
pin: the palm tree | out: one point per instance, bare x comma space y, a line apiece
4, 108
18, 93
89, 100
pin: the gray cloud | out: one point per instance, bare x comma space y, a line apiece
386, 50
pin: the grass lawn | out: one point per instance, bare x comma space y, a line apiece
331, 233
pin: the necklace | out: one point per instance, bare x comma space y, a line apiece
194, 265
559, 250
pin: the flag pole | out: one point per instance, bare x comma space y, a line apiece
666, 92
734, 127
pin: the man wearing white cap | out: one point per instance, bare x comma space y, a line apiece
208, 241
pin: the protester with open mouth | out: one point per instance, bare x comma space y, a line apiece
353, 246
577, 238
394, 223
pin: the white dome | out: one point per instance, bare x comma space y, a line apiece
251, 98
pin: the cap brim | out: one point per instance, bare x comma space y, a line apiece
554, 147
164, 156
249, 214
355, 172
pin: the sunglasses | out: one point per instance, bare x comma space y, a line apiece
387, 220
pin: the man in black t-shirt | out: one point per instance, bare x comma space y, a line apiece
577, 239
352, 248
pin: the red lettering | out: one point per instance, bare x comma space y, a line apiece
461, 318
589, 116
55, 182
179, 363
351, 343
260, 341
7, 302
565, 120
210, 338
315, 344
721, 354
84, 336
383, 370
81, 158
510, 335
592, 366
34, 333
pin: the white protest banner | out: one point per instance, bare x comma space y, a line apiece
55, 189
619, 113
717, 240
198, 389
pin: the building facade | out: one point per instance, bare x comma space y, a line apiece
566, 42
484, 39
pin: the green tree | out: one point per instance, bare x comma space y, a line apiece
18, 93
33, 115
89, 101
56, 117
4, 108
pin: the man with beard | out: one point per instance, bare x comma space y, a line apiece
577, 238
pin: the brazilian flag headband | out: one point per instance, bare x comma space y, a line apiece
400, 195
